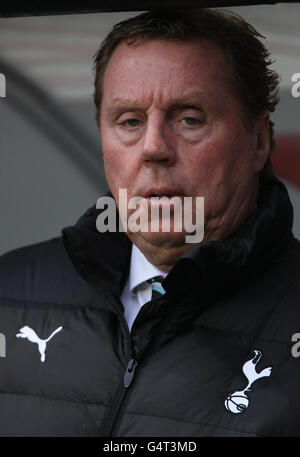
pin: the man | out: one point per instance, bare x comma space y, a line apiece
98, 344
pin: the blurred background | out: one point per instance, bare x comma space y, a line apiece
51, 169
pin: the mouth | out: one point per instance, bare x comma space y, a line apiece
162, 192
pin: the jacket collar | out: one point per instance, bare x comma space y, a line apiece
105, 257
217, 264
102, 258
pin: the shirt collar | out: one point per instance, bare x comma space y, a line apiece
141, 269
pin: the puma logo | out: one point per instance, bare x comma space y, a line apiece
30, 334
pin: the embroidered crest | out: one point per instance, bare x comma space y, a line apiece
238, 401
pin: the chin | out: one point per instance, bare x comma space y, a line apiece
158, 239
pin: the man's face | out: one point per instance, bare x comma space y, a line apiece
172, 123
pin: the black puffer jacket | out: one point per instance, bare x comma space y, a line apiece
213, 355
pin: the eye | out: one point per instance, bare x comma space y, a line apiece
131, 122
190, 121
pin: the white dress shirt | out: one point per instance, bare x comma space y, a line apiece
137, 291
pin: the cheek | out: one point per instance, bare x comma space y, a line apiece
111, 168
204, 161
218, 164
111, 153
118, 165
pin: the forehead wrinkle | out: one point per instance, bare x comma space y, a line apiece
161, 89
185, 99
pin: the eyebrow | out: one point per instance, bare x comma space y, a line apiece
116, 105
188, 100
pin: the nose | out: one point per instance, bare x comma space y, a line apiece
157, 144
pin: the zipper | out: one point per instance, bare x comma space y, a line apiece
129, 373
113, 415
114, 411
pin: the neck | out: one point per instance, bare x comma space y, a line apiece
162, 257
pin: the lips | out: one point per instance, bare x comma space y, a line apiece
162, 192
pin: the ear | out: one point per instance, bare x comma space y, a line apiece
262, 134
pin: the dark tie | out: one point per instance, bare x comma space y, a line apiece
157, 288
